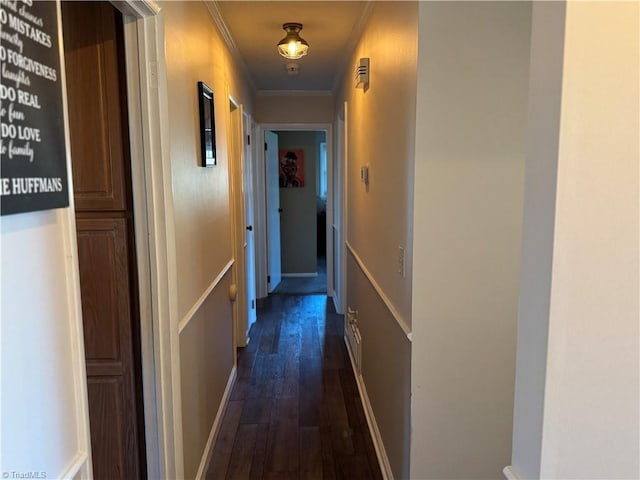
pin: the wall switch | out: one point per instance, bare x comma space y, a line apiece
401, 261
364, 176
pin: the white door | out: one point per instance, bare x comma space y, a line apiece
249, 245
274, 272
338, 230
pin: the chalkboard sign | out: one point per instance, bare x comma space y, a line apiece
33, 169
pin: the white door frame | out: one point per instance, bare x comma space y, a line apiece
340, 209
250, 207
260, 213
147, 99
273, 230
235, 135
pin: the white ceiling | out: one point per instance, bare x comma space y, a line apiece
331, 28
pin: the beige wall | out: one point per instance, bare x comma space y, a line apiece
206, 355
589, 419
294, 107
381, 126
202, 210
381, 135
469, 181
195, 51
386, 363
592, 414
298, 221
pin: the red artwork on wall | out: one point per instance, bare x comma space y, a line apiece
291, 163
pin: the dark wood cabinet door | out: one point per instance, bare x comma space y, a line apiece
95, 97
106, 310
100, 162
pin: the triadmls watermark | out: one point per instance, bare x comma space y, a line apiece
31, 474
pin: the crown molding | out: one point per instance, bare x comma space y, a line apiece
351, 44
225, 33
294, 93
137, 8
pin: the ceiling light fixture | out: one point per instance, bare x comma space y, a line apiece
293, 46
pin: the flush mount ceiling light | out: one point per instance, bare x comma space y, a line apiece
293, 46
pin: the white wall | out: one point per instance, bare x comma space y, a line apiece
583, 202
473, 62
591, 422
43, 397
545, 86
43, 401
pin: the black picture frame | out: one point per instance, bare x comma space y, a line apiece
207, 126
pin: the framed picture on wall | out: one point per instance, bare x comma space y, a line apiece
291, 166
207, 126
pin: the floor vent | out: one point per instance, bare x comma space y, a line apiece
354, 340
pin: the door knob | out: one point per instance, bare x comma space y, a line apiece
250, 228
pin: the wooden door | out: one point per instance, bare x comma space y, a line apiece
94, 57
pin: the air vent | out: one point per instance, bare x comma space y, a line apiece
362, 73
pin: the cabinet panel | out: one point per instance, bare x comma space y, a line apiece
112, 442
95, 98
104, 280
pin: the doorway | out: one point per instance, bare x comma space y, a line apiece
101, 168
299, 210
302, 181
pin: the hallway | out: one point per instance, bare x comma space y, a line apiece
295, 410
305, 285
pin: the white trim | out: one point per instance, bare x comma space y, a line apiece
399, 320
303, 127
196, 306
142, 247
74, 301
235, 156
376, 437
137, 8
213, 434
510, 473
218, 19
158, 197
300, 275
79, 461
294, 93
250, 207
352, 42
225, 33
155, 243
259, 214
339, 194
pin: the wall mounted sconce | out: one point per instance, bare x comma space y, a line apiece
362, 73
293, 46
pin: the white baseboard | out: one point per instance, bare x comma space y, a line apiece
300, 275
211, 441
74, 468
381, 453
510, 473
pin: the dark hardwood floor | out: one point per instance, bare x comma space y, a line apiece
295, 410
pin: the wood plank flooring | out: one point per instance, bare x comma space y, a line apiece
295, 410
